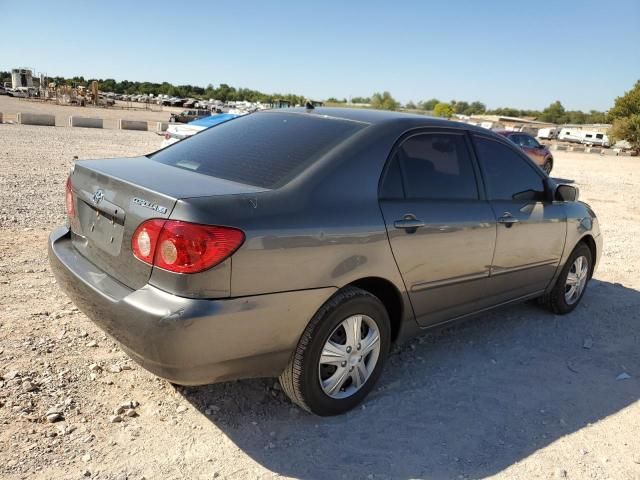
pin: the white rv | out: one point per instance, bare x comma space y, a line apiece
595, 139
570, 135
548, 133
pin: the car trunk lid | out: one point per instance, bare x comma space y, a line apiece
113, 197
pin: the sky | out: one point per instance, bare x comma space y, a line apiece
503, 53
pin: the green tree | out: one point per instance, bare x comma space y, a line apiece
554, 113
625, 115
628, 104
384, 101
410, 105
627, 128
428, 105
443, 110
361, 100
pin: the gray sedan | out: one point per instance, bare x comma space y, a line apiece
307, 243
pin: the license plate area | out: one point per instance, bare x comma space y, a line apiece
102, 229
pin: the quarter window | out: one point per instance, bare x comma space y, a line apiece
507, 175
433, 166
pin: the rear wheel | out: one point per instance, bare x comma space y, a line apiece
340, 355
572, 282
548, 166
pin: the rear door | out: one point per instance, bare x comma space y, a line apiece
531, 229
441, 229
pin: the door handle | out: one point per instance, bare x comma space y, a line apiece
409, 223
507, 219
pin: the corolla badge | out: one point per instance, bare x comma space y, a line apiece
147, 204
98, 196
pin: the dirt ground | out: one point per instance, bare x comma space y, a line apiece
515, 394
125, 110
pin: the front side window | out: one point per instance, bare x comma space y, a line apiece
507, 175
529, 141
432, 166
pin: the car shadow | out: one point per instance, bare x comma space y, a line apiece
465, 402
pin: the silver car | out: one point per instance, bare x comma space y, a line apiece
306, 243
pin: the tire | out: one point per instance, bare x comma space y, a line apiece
548, 166
557, 300
301, 379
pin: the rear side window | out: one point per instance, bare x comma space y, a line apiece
432, 166
507, 175
262, 149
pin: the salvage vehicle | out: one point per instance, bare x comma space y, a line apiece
188, 115
307, 243
536, 151
176, 132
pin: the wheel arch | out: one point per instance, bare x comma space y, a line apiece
390, 297
590, 242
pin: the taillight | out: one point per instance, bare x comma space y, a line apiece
71, 208
184, 247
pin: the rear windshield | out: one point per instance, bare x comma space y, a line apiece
262, 149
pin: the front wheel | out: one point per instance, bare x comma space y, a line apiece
547, 167
340, 355
572, 281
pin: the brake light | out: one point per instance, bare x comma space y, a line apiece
71, 208
184, 247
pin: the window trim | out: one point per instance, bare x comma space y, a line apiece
462, 132
518, 151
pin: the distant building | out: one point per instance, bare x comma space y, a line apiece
21, 78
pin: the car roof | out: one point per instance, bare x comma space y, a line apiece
371, 116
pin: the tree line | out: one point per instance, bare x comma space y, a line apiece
554, 113
222, 92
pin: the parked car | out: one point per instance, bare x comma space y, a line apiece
176, 132
538, 152
3, 91
189, 115
307, 243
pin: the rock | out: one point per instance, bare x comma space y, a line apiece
86, 473
94, 367
115, 419
181, 409
54, 417
623, 376
28, 386
93, 376
588, 343
561, 473
276, 386
131, 413
86, 458
11, 375
92, 343
115, 368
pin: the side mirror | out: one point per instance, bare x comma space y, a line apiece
566, 193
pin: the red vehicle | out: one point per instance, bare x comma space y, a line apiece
536, 151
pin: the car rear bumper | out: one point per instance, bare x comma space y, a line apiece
187, 341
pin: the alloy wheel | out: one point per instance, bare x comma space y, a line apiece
349, 356
576, 280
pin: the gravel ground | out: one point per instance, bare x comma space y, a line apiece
515, 394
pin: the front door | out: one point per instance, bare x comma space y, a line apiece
442, 232
531, 228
